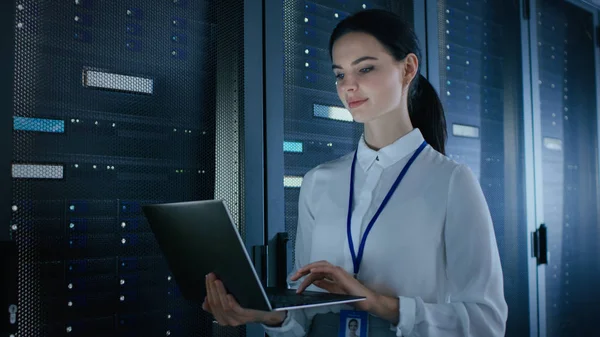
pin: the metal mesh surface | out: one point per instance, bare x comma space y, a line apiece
317, 126
118, 104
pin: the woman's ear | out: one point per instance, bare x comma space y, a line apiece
411, 68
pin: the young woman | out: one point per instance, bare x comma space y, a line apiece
352, 328
395, 221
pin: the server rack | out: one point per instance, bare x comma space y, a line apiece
117, 104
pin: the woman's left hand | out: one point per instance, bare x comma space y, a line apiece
335, 280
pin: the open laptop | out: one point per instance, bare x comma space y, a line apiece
200, 237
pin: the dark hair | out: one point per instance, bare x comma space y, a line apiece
424, 106
353, 320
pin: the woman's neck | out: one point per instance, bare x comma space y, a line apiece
385, 130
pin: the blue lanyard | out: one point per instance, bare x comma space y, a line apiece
356, 260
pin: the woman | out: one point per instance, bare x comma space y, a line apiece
352, 328
395, 221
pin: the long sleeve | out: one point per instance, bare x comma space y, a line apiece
296, 323
475, 305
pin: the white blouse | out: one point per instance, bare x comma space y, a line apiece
433, 246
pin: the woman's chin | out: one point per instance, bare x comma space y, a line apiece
361, 118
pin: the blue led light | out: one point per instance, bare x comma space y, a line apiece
295, 147
39, 124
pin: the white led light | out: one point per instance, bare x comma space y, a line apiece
553, 144
332, 112
467, 131
33, 171
126, 83
292, 181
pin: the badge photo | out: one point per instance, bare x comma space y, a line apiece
353, 324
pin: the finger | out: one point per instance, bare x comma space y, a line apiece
329, 286
308, 281
209, 295
213, 299
332, 272
222, 293
306, 269
206, 306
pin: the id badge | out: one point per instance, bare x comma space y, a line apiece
353, 323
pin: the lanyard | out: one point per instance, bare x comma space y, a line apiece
356, 260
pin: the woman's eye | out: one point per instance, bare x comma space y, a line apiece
339, 76
366, 70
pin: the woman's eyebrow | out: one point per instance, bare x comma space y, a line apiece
357, 61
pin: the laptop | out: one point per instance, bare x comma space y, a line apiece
200, 237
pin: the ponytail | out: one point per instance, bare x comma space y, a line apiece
427, 113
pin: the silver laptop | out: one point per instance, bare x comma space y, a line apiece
200, 237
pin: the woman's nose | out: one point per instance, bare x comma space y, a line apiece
348, 84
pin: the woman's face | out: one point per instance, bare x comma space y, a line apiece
353, 326
369, 80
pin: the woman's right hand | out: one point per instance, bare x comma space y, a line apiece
227, 310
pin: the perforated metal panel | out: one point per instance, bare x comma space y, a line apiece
317, 126
480, 87
569, 159
117, 104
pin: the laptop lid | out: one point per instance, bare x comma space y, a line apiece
200, 237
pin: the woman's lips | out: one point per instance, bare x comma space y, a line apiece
355, 104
